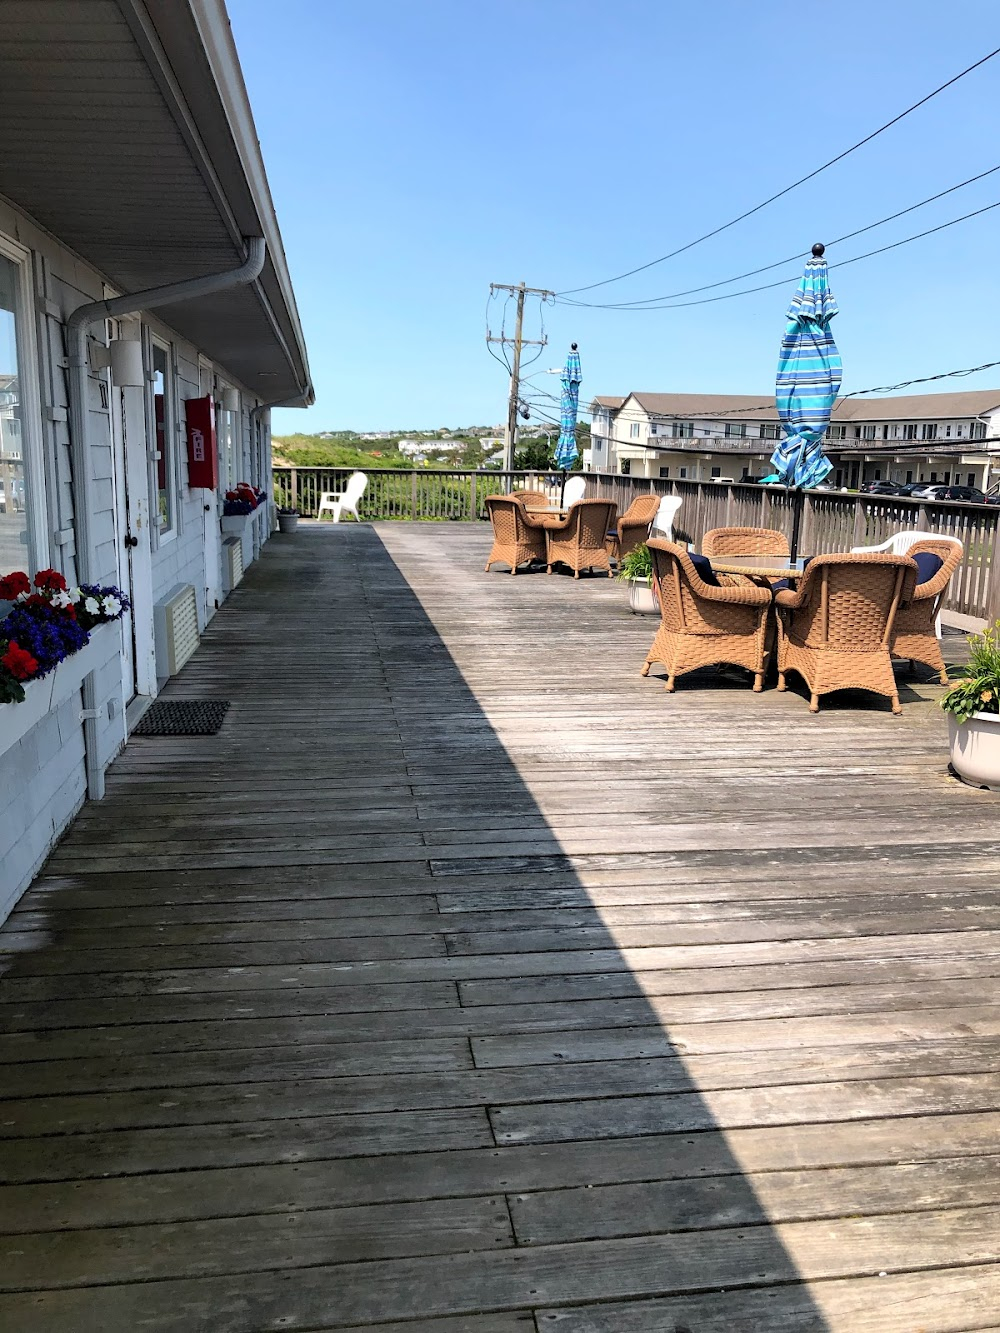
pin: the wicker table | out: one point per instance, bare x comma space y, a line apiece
764, 567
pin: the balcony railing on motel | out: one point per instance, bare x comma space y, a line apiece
831, 520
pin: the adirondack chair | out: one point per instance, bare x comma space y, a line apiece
574, 490
663, 523
344, 501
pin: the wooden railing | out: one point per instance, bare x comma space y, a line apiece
831, 520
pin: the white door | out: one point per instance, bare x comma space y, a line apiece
213, 527
131, 474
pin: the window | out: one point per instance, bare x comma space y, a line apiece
770, 430
22, 501
685, 429
652, 429
977, 431
909, 478
633, 430
933, 477
947, 432
736, 430
166, 438
664, 472
928, 431
717, 472
857, 432
683, 473
909, 432
868, 432
971, 480
886, 432
626, 464
834, 433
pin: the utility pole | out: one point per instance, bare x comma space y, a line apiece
510, 435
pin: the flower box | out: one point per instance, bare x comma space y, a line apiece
42, 697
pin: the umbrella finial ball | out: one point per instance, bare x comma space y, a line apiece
572, 347
819, 250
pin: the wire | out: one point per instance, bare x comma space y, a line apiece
791, 277
788, 188
752, 273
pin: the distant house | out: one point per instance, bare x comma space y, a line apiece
946, 437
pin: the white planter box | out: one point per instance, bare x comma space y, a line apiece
975, 749
641, 597
244, 526
43, 696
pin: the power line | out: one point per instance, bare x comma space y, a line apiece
769, 406
791, 277
788, 188
753, 273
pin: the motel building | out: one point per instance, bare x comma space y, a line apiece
147, 324
952, 438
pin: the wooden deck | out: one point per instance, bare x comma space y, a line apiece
466, 982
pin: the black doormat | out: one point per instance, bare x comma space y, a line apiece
183, 717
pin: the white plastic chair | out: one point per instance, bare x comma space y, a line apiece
346, 500
900, 543
574, 490
663, 523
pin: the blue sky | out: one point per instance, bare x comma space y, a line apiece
417, 152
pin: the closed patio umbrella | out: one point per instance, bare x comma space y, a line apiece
808, 381
566, 450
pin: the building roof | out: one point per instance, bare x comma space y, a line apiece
603, 400
960, 405
919, 406
129, 136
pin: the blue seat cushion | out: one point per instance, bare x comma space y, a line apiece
780, 585
703, 568
612, 532
927, 564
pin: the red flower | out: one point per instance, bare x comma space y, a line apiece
20, 664
50, 580
13, 585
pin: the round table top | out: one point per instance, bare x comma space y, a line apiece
759, 566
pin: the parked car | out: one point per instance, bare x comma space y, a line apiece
993, 498
967, 494
880, 488
910, 488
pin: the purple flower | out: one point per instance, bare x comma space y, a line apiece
48, 635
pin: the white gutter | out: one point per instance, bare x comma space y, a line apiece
77, 325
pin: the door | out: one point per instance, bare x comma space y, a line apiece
212, 515
135, 569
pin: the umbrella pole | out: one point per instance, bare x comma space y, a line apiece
562, 488
796, 522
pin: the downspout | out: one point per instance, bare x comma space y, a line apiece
77, 327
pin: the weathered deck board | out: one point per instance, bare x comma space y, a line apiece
475, 985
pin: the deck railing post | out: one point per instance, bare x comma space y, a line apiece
293, 489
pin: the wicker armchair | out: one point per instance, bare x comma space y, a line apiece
633, 526
578, 539
531, 499
517, 540
702, 624
745, 541
915, 630
836, 628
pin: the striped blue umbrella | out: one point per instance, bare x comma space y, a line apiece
566, 450
808, 381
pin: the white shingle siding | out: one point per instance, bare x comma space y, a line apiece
43, 776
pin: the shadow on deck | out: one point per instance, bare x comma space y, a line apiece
467, 983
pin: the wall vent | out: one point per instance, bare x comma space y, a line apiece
176, 625
232, 561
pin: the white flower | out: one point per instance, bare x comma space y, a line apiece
61, 600
74, 595
93, 606
112, 607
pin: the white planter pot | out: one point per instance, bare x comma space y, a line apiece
975, 749
642, 598
42, 696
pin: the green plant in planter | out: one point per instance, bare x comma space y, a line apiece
977, 690
637, 564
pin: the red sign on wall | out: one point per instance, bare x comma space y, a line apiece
203, 456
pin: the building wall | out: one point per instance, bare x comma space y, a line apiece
43, 777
